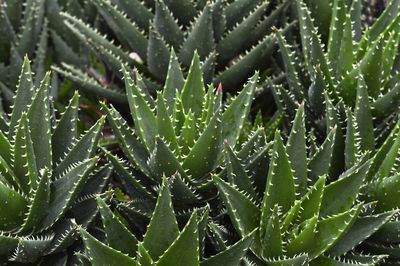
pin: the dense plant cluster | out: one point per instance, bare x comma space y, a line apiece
223, 132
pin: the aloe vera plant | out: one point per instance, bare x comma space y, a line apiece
146, 32
352, 59
47, 175
19, 28
162, 244
34, 28
180, 134
304, 216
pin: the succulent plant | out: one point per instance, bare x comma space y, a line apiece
47, 175
304, 216
146, 31
353, 59
19, 28
344, 76
162, 244
34, 28
180, 133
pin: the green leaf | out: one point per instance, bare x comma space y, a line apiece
348, 186
164, 162
188, 240
184, 10
387, 103
83, 149
143, 116
280, 188
138, 12
174, 81
12, 207
207, 149
386, 191
24, 96
66, 187
351, 143
237, 112
164, 124
232, 255
365, 127
336, 32
200, 38
320, 162
362, 228
303, 240
8, 243
310, 203
232, 43
99, 254
193, 91
24, 157
126, 31
330, 230
236, 11
157, 55
39, 125
292, 76
167, 26
345, 58
65, 132
31, 248
143, 256
163, 228
237, 174
38, 203
389, 146
297, 260
297, 151
245, 215
118, 236
271, 236
132, 148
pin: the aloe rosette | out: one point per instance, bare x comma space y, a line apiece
48, 175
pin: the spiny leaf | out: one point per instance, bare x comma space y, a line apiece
207, 148
200, 38
238, 110
187, 240
193, 91
297, 151
12, 206
362, 228
271, 236
237, 174
167, 26
348, 186
24, 95
245, 215
39, 202
163, 228
100, 254
118, 236
66, 188
331, 229
232, 255
25, 168
280, 188
174, 81
39, 124
83, 149
365, 127
143, 116
65, 132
